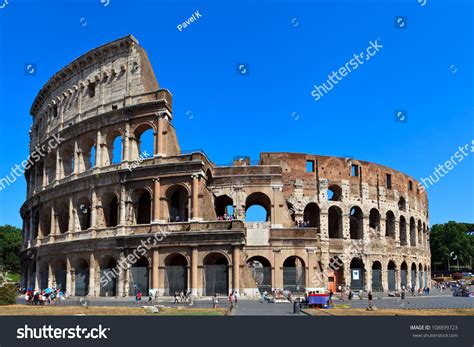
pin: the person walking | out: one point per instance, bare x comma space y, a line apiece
176, 301
330, 297
235, 298
231, 302
370, 297
215, 301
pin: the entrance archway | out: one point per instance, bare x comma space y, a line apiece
403, 275
108, 277
261, 270
391, 275
81, 273
377, 276
139, 277
294, 274
176, 273
357, 274
216, 274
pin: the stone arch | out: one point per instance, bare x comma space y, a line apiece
81, 277
335, 222
142, 205
403, 275
414, 274
374, 219
356, 218
67, 159
139, 277
50, 167
412, 232
176, 273
216, 273
44, 274
224, 206
357, 268
334, 192
83, 208
294, 274
391, 275
390, 224
403, 231
140, 132
110, 209
178, 203
62, 215
261, 270
402, 204
377, 276
108, 276
46, 220
312, 215
420, 233
259, 199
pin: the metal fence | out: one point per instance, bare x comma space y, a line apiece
176, 279
82, 282
139, 280
216, 279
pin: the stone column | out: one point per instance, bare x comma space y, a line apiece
58, 165
71, 223
123, 206
126, 143
31, 226
156, 200
384, 276
154, 268
397, 231
29, 274
324, 225
94, 208
69, 284
367, 273
194, 271
346, 230
92, 267
160, 143
347, 273
98, 150
38, 276
236, 268
76, 158
278, 264
43, 183
195, 198
53, 223
122, 275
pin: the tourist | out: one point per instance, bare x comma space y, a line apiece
235, 298
350, 294
215, 301
230, 301
331, 293
370, 299
176, 301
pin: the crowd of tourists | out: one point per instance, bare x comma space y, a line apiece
48, 296
226, 217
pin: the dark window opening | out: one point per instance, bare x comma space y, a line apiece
355, 170
91, 90
410, 185
389, 181
309, 165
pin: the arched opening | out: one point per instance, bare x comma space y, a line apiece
420, 276
81, 273
146, 141
261, 270
402, 204
413, 275
403, 231
357, 274
178, 204
117, 150
356, 223
110, 208
62, 216
60, 275
294, 274
312, 215
216, 274
224, 207
139, 277
45, 220
84, 213
377, 276
108, 276
412, 232
67, 159
420, 233
143, 206
36, 223
374, 219
403, 275
391, 275
257, 208
176, 273
91, 157
334, 193
336, 276
50, 168
335, 222
425, 276
390, 224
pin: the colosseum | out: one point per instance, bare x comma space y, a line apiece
174, 220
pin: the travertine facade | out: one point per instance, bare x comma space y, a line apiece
158, 221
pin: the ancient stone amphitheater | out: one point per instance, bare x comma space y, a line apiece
100, 225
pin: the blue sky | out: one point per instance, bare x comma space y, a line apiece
288, 46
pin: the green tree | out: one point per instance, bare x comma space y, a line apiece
451, 242
10, 244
